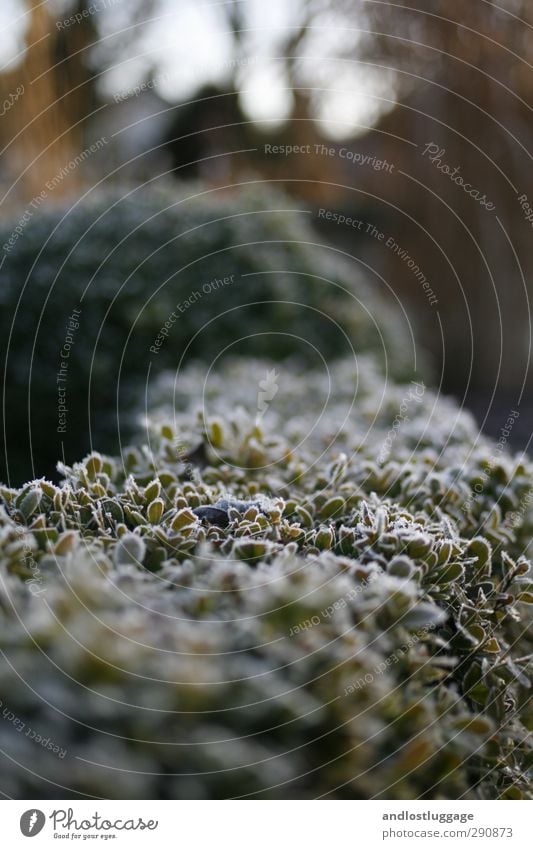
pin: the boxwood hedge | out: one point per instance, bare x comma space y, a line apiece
128, 281
292, 602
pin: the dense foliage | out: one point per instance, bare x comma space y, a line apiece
299, 601
126, 283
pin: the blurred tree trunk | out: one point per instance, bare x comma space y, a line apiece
42, 132
464, 83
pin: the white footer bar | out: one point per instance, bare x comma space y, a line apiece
267, 824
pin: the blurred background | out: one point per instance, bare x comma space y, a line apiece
403, 132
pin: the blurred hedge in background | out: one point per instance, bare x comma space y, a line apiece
126, 261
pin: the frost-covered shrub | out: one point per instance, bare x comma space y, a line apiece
250, 606
158, 275
438, 461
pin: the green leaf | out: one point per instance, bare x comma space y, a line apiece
155, 511
93, 465
130, 550
183, 519
30, 502
332, 507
